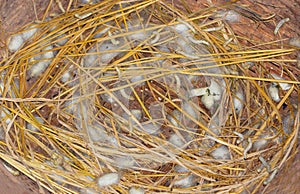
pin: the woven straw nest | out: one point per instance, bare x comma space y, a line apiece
138, 96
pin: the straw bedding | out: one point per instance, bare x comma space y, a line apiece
138, 96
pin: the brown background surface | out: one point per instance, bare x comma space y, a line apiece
16, 13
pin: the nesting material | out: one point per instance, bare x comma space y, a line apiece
147, 90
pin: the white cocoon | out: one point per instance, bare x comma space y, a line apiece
176, 140
108, 179
124, 162
208, 101
260, 144
29, 33
96, 133
136, 190
180, 28
231, 16
181, 169
65, 77
198, 92
284, 86
90, 59
238, 102
215, 90
221, 153
185, 181
274, 92
136, 113
16, 41
88, 191
150, 128
189, 109
38, 68
106, 52
178, 117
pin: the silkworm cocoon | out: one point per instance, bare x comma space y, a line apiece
189, 109
274, 92
221, 153
49, 54
29, 33
150, 128
238, 102
136, 113
181, 169
177, 118
107, 53
176, 140
215, 90
138, 33
90, 59
38, 68
96, 133
185, 181
108, 179
231, 16
180, 28
187, 24
101, 33
260, 143
295, 41
88, 191
208, 101
65, 77
198, 92
15, 42
107, 98
137, 79
124, 162
283, 86
136, 190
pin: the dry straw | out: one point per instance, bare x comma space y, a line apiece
99, 99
